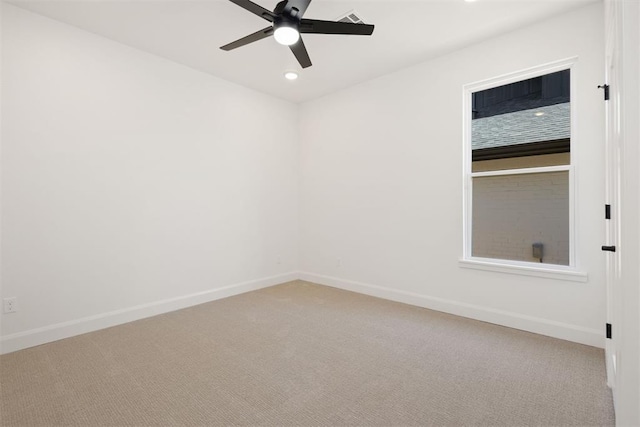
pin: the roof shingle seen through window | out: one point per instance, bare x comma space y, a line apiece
522, 127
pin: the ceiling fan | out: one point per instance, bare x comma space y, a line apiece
287, 24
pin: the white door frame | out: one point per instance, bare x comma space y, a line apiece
613, 181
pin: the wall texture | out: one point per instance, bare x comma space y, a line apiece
133, 185
382, 189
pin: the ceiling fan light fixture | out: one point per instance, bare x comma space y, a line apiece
290, 75
286, 33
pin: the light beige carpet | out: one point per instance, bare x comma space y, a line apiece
304, 354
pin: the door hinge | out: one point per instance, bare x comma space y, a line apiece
606, 91
609, 331
607, 211
609, 248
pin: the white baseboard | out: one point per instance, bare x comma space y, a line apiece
38, 336
536, 325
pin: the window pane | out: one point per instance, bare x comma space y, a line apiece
513, 213
524, 124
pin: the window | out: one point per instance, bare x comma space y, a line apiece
519, 173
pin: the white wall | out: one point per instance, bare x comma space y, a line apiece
381, 185
133, 185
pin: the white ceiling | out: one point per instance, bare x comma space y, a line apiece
406, 33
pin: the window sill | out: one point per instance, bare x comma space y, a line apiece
525, 269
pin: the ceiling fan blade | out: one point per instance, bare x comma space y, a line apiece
258, 35
315, 26
255, 9
300, 51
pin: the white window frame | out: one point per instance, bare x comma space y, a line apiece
551, 271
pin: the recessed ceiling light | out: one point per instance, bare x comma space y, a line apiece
539, 113
290, 75
469, 1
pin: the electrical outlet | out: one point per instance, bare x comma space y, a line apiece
339, 262
278, 260
10, 305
